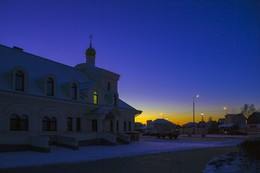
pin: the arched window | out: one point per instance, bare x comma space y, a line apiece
14, 122
50, 86
19, 81
95, 97
69, 124
78, 125
45, 124
24, 123
53, 124
74, 91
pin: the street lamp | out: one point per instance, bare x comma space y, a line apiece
202, 118
196, 96
225, 108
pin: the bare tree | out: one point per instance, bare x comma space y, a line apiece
248, 109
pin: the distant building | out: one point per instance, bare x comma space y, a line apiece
45, 102
148, 122
254, 118
235, 119
221, 121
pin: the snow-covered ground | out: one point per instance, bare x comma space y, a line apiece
147, 145
232, 163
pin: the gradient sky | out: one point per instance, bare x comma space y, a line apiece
166, 51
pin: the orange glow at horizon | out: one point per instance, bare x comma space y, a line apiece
176, 119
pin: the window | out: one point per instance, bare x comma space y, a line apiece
111, 125
78, 127
117, 125
46, 124
108, 86
124, 125
14, 122
115, 99
94, 126
95, 97
24, 123
53, 124
50, 87
19, 80
69, 124
129, 126
74, 91
19, 123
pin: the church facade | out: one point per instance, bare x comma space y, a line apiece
44, 103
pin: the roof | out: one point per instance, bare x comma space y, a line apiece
124, 105
255, 114
161, 121
235, 115
12, 58
38, 68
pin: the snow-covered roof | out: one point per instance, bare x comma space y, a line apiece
37, 69
124, 105
190, 124
161, 121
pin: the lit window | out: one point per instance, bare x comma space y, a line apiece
74, 91
50, 87
95, 97
19, 80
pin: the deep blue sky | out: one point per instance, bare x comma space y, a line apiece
166, 51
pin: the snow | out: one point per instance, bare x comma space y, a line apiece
147, 145
232, 163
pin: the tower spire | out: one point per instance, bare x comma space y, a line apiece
90, 37
90, 53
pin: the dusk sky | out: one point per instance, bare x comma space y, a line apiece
166, 51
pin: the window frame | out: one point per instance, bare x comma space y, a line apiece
19, 79
74, 91
95, 97
50, 86
69, 124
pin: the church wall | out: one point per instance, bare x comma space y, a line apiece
36, 108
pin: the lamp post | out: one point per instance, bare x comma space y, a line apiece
225, 108
202, 118
193, 118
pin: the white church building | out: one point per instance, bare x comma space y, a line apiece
45, 103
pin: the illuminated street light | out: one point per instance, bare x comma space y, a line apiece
202, 118
196, 96
225, 108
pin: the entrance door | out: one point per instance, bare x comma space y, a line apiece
94, 126
111, 125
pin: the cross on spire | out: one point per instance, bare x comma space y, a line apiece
90, 37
